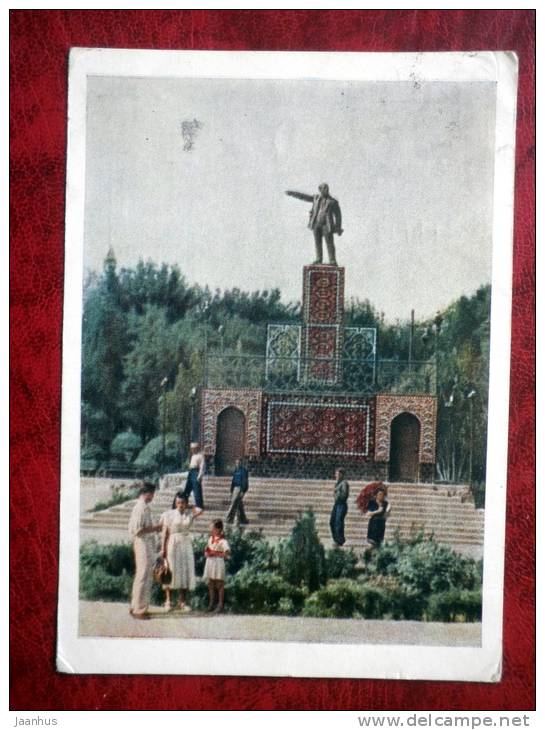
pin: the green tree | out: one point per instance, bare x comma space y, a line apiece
153, 358
104, 344
163, 286
182, 401
302, 559
463, 367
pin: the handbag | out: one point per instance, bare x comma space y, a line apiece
162, 573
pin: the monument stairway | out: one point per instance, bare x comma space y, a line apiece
272, 506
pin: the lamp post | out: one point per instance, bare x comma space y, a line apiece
470, 397
437, 322
163, 385
411, 337
192, 397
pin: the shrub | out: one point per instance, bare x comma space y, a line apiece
248, 548
346, 598
149, 457
301, 556
125, 445
199, 597
96, 584
92, 451
251, 591
402, 602
454, 605
113, 559
424, 565
340, 563
199, 544
432, 568
106, 572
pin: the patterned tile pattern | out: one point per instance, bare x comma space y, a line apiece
424, 407
323, 294
322, 348
317, 426
283, 349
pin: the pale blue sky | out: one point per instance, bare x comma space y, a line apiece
411, 166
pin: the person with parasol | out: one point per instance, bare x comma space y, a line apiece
372, 502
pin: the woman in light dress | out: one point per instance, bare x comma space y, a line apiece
216, 551
177, 548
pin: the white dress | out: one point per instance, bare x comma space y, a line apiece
180, 556
214, 568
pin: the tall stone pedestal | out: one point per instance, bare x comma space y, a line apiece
323, 323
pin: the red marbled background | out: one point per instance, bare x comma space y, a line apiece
40, 41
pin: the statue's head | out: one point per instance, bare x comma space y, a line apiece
324, 189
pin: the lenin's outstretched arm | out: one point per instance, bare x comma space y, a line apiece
301, 196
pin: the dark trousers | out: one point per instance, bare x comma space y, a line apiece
193, 485
336, 522
320, 233
236, 508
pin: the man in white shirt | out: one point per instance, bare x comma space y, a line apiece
195, 475
141, 529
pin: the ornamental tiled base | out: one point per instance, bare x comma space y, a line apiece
316, 427
309, 436
318, 407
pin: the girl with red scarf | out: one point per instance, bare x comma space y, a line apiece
216, 552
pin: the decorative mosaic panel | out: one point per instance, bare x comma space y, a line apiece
283, 350
322, 348
360, 343
246, 400
323, 294
359, 356
307, 427
424, 407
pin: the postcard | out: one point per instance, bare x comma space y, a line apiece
286, 356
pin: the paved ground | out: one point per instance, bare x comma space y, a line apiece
96, 489
113, 619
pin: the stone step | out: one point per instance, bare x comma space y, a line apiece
451, 516
272, 506
287, 523
325, 497
269, 519
274, 511
307, 484
279, 531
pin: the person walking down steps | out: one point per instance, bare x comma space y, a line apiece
239, 487
195, 475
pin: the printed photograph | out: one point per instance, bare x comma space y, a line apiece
285, 332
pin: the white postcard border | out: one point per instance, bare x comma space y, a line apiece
176, 656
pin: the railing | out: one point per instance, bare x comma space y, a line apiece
319, 374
